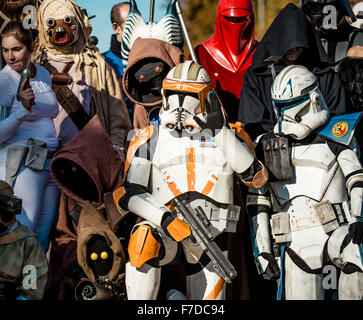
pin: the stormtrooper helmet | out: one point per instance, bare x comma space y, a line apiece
298, 103
184, 91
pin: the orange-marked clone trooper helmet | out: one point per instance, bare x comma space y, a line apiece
185, 89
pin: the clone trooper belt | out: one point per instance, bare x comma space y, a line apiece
306, 213
321, 217
224, 219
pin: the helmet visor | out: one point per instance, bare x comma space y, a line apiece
281, 106
200, 88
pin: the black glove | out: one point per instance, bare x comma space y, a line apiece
215, 117
272, 270
356, 232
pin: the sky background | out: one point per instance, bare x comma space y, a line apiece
101, 24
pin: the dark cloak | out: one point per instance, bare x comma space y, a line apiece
290, 29
143, 50
99, 169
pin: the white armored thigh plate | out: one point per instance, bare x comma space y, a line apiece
309, 244
350, 252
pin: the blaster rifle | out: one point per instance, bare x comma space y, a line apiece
200, 224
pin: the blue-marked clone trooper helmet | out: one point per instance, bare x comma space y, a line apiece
185, 89
298, 103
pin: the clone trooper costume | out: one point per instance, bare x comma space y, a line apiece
309, 215
192, 155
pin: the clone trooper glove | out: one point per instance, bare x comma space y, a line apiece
215, 117
272, 271
356, 232
175, 228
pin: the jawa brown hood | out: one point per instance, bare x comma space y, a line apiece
145, 52
88, 165
91, 224
84, 169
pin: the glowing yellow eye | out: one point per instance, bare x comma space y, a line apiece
104, 255
158, 69
94, 256
141, 78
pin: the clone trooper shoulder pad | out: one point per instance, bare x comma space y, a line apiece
340, 128
139, 139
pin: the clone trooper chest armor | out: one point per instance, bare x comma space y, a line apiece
318, 174
190, 165
315, 194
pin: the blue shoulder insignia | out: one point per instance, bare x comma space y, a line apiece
340, 128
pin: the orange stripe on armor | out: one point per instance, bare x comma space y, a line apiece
200, 88
118, 194
137, 140
174, 189
216, 290
190, 158
209, 186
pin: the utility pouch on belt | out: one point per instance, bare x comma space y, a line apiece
14, 158
280, 227
37, 154
277, 158
326, 215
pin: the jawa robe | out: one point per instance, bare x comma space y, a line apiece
102, 170
144, 49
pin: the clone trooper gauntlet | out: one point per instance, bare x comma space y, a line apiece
174, 227
258, 210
